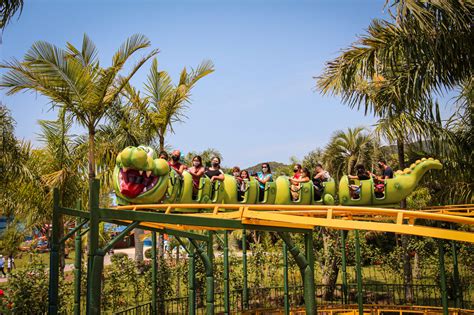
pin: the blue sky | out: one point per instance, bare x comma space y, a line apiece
259, 104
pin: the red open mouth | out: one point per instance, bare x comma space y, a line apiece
134, 183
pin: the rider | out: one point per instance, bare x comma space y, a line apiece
320, 176
196, 171
297, 171
214, 172
263, 177
164, 155
296, 183
361, 174
379, 181
175, 163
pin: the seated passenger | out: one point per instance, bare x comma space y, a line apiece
361, 174
175, 163
297, 171
164, 155
245, 177
262, 178
196, 171
236, 174
379, 181
296, 183
214, 172
320, 176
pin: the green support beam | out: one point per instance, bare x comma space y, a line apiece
245, 293
153, 274
304, 263
54, 257
79, 225
456, 279
285, 280
207, 258
191, 281
360, 302
226, 274
77, 266
442, 276
344, 267
309, 288
95, 261
156, 217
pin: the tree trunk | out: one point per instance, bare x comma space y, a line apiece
407, 270
91, 153
351, 164
331, 264
162, 142
138, 245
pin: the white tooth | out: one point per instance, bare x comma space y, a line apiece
144, 190
140, 172
148, 173
125, 169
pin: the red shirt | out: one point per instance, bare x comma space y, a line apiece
297, 175
176, 165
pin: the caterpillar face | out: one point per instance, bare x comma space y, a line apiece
139, 177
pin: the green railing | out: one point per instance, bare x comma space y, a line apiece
273, 297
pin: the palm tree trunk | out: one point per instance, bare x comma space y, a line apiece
91, 153
138, 245
407, 270
162, 142
330, 266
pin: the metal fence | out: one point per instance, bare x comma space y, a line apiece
273, 298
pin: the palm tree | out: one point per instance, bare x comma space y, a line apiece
73, 79
8, 8
165, 103
346, 149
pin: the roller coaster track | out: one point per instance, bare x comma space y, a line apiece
436, 222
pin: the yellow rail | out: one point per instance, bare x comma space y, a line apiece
337, 217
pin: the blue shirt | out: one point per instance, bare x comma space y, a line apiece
261, 176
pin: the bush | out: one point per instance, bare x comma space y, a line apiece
115, 258
27, 291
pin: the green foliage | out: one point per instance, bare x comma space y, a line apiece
27, 291
420, 198
11, 239
206, 156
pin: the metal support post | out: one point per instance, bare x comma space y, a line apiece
344, 266
245, 293
77, 265
210, 277
360, 302
207, 259
442, 276
191, 281
226, 274
54, 257
153, 274
95, 264
285, 279
303, 261
309, 289
456, 280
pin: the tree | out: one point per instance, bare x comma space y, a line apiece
165, 103
8, 8
347, 149
73, 79
393, 70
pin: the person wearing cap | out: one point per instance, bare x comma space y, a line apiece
175, 163
2, 265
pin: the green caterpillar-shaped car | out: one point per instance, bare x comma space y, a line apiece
141, 178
